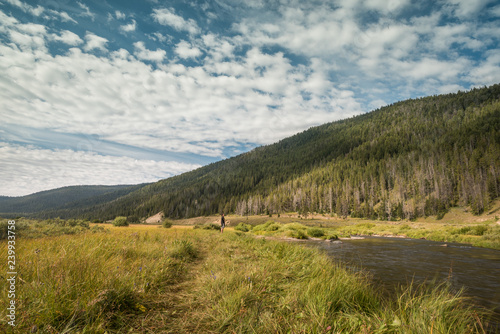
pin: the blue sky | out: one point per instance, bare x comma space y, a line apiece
125, 92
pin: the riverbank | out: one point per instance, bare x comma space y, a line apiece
153, 280
458, 225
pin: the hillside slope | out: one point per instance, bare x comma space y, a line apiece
413, 158
66, 201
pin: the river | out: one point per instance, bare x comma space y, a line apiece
397, 261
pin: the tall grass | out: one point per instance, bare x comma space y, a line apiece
256, 286
96, 282
29, 228
156, 280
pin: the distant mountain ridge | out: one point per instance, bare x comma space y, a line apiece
412, 158
61, 201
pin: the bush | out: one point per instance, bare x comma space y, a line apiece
167, 223
366, 225
480, 229
333, 237
268, 226
243, 227
294, 227
120, 221
4, 228
207, 226
297, 234
472, 230
315, 232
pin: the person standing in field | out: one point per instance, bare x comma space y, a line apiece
222, 223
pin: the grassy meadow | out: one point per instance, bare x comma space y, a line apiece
457, 225
148, 279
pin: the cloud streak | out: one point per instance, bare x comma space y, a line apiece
168, 17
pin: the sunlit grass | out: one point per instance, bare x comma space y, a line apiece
97, 281
148, 279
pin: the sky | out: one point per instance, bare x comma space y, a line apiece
126, 92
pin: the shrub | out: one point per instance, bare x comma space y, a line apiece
207, 226
268, 226
366, 225
294, 227
479, 230
404, 227
4, 228
243, 227
120, 221
315, 232
472, 230
297, 234
167, 223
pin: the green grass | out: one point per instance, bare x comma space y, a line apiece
291, 230
256, 286
480, 235
28, 228
145, 279
458, 225
243, 227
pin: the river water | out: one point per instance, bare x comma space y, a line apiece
397, 261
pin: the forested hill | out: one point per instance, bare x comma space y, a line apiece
413, 158
62, 202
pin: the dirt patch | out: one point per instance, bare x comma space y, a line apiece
155, 219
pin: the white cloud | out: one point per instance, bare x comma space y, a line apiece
378, 103
433, 68
254, 99
168, 17
29, 169
495, 11
467, 8
27, 41
144, 54
94, 42
68, 37
386, 6
62, 15
158, 36
219, 47
488, 71
119, 15
6, 21
186, 50
86, 11
36, 11
129, 27
451, 88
